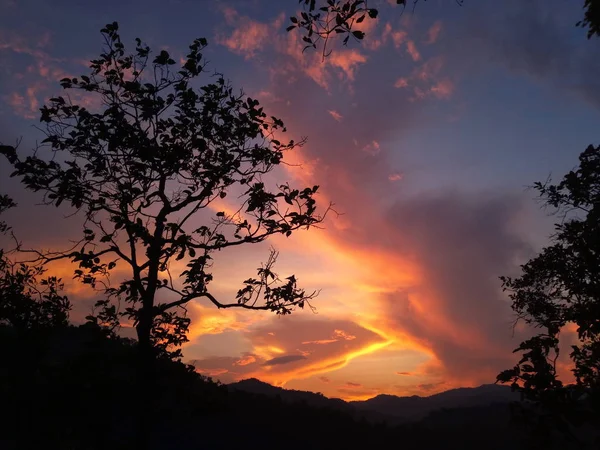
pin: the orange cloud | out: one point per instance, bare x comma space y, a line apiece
343, 335
249, 359
275, 360
320, 342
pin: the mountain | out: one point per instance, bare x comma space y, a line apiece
415, 407
387, 408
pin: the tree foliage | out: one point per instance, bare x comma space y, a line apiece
149, 170
561, 287
27, 301
321, 20
591, 18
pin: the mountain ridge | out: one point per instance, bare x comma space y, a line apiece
388, 408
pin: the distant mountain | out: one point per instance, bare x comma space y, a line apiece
255, 386
388, 408
415, 407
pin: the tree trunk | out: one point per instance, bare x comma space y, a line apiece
145, 379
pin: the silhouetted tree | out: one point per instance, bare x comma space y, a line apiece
321, 20
560, 287
149, 170
27, 301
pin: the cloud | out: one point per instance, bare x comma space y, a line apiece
399, 37
401, 82
249, 37
285, 52
406, 374
343, 335
287, 354
325, 379
535, 38
40, 77
396, 176
372, 148
434, 32
356, 391
442, 89
411, 49
428, 387
336, 115
283, 360
320, 342
462, 243
246, 360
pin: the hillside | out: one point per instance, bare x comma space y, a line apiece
390, 409
74, 388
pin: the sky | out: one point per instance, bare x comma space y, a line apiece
425, 136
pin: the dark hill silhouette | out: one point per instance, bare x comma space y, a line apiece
416, 407
389, 408
75, 388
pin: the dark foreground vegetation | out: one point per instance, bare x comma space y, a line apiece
74, 387
78, 388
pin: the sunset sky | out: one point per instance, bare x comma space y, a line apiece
425, 136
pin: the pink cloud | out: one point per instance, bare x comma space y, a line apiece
396, 176
249, 36
434, 32
372, 148
399, 37
401, 83
429, 69
443, 89
347, 62
336, 115
374, 42
20, 105
411, 49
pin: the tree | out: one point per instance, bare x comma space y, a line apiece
561, 286
27, 302
147, 172
320, 21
